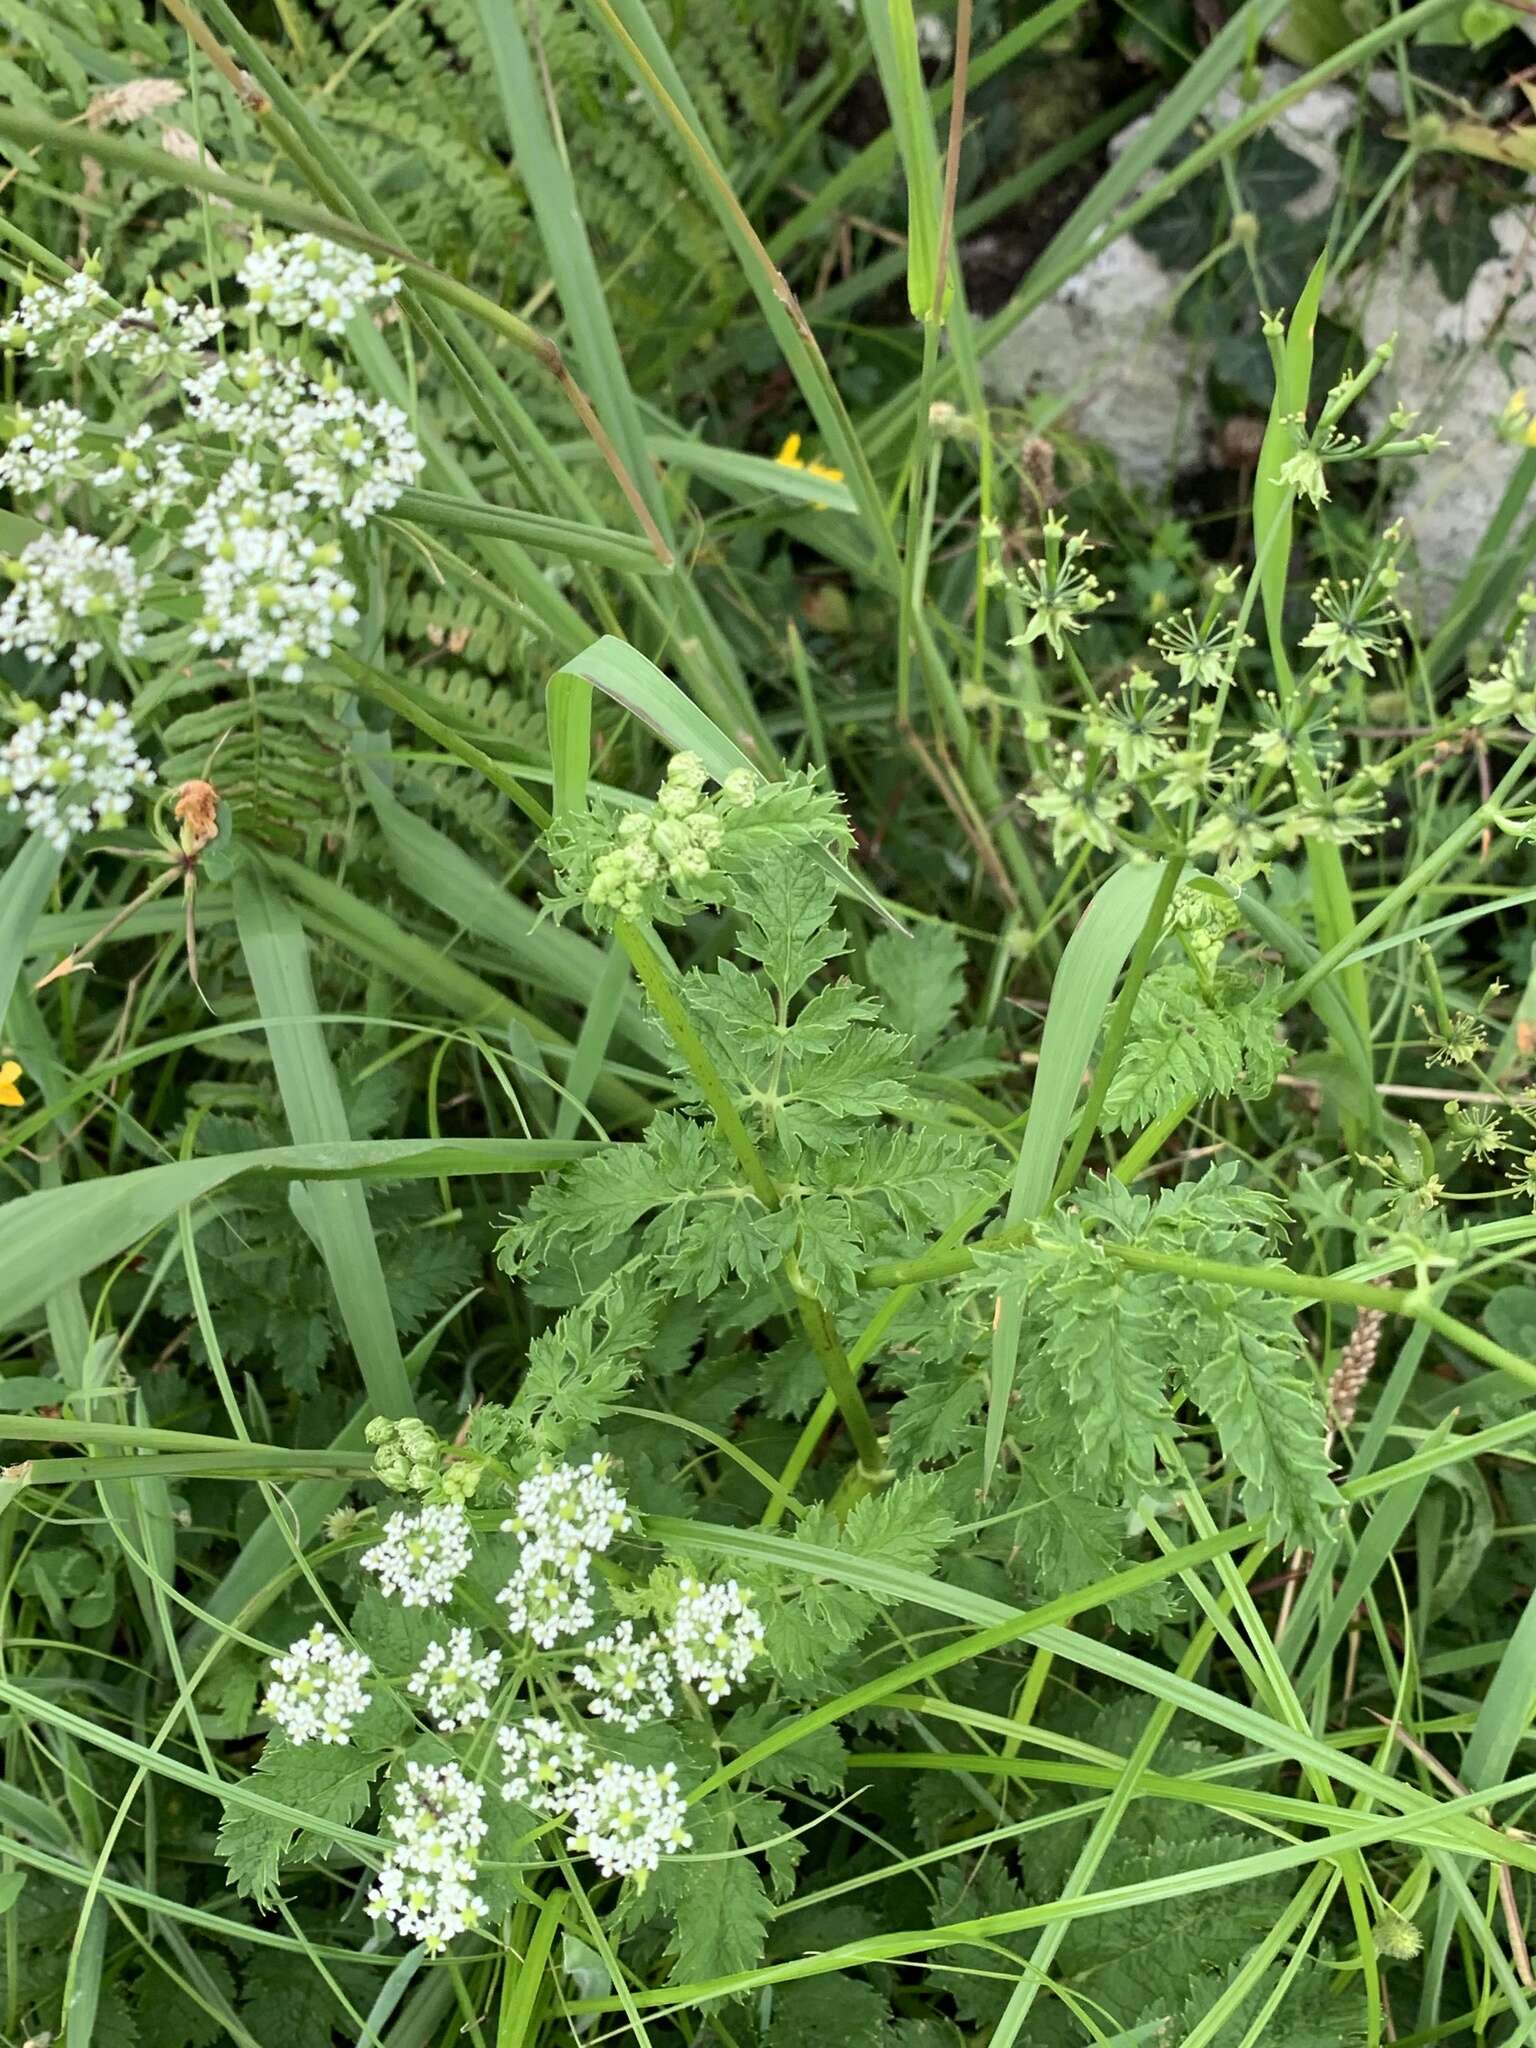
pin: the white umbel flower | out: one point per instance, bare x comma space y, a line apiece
159, 336
55, 321
422, 1555
242, 395
629, 1680
73, 769
627, 1818
304, 281
44, 448
150, 473
453, 1683
714, 1636
338, 451
548, 1596
541, 1761
570, 1507
346, 454
72, 591
317, 1691
566, 1515
270, 594
426, 1887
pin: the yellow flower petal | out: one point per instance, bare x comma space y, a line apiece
10, 1094
827, 474
789, 454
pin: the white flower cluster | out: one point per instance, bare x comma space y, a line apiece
317, 1690
422, 1555
307, 282
629, 1678
454, 1683
674, 843
73, 769
311, 455
53, 321
426, 1887
541, 1761
714, 1636
150, 472
71, 589
44, 447
627, 1817
269, 592
159, 336
566, 1514
338, 452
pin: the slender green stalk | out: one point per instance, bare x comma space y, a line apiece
820, 1332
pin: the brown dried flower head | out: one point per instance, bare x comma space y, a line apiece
197, 813
121, 104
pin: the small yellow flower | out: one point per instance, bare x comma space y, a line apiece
789, 458
10, 1094
1518, 424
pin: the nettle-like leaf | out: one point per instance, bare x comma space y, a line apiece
1195, 1035
818, 1761
331, 1782
579, 1369
819, 1614
1112, 1349
921, 979
1064, 1540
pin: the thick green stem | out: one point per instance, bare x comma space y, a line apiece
819, 1329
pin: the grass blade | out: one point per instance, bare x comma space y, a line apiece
277, 956
58, 1235
1080, 995
23, 892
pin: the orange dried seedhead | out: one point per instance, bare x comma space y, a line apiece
197, 813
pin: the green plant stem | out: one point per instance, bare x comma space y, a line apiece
820, 1332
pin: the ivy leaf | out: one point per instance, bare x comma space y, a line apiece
326, 1781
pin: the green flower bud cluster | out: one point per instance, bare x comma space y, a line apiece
673, 844
1203, 916
409, 1457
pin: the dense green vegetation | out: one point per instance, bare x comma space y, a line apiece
766, 1268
